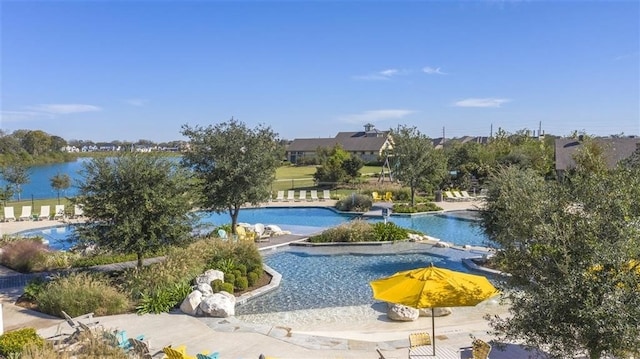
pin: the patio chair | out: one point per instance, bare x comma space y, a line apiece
262, 235
141, 349
119, 339
376, 196
26, 213
467, 196
179, 352
243, 235
280, 197
8, 214
59, 212
302, 196
420, 345
76, 322
380, 354
326, 194
480, 349
222, 234
78, 211
45, 213
458, 196
388, 196
215, 355
314, 195
448, 196
291, 196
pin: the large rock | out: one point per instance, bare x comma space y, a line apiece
205, 289
437, 312
402, 313
191, 302
220, 305
209, 276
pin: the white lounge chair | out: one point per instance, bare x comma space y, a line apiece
45, 212
262, 235
466, 196
291, 196
326, 194
448, 196
458, 196
59, 213
303, 195
314, 195
280, 197
78, 211
26, 213
8, 214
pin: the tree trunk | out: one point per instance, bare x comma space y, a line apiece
413, 193
234, 218
140, 257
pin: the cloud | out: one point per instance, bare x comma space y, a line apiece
481, 102
375, 116
63, 109
138, 102
22, 116
381, 75
433, 71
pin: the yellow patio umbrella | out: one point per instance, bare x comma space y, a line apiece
433, 287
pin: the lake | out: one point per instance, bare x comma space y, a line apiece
39, 185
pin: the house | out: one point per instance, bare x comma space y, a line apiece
615, 149
369, 145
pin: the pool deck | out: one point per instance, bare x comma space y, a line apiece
344, 332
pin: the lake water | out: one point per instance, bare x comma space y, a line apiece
39, 186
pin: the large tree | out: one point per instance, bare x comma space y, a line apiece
135, 203
417, 163
16, 175
336, 166
572, 250
235, 165
60, 182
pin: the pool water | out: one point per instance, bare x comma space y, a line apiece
311, 281
305, 221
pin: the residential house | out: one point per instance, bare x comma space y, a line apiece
615, 149
369, 145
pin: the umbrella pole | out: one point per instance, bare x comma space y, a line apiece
433, 331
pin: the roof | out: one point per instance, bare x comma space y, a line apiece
350, 144
615, 149
362, 134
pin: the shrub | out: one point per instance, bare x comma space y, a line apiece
216, 285
102, 258
229, 278
355, 203
13, 342
34, 288
81, 293
419, 207
242, 283
87, 346
227, 287
51, 260
22, 254
242, 268
354, 231
163, 299
252, 277
389, 232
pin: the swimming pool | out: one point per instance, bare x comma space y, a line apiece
305, 221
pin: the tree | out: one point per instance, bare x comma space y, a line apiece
418, 163
60, 182
135, 203
573, 255
336, 166
234, 164
16, 175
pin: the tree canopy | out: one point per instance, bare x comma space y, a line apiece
417, 163
60, 182
336, 166
573, 252
234, 164
135, 203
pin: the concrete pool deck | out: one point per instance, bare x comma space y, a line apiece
342, 332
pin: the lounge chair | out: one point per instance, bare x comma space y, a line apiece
291, 196
177, 352
222, 234
45, 213
119, 339
243, 235
262, 235
458, 196
280, 197
388, 196
466, 196
480, 349
303, 195
141, 349
314, 195
376, 196
59, 213
26, 213
380, 354
78, 211
326, 194
448, 196
420, 345
8, 214
74, 323
215, 355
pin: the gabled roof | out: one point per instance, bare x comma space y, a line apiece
361, 134
351, 144
615, 149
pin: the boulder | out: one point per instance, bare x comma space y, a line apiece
442, 245
209, 276
205, 289
191, 302
218, 305
437, 312
402, 313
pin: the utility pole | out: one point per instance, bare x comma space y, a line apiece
443, 137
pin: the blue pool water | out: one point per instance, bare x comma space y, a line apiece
308, 220
311, 281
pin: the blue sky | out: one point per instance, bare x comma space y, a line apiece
126, 70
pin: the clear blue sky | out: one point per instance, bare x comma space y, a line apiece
125, 70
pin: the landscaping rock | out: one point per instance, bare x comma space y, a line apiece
402, 313
209, 276
205, 289
191, 302
219, 305
437, 312
442, 245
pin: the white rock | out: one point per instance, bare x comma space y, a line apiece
402, 313
443, 245
218, 305
191, 302
437, 312
205, 289
209, 276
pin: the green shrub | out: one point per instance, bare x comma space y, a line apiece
242, 268
252, 278
22, 254
34, 288
229, 278
419, 207
389, 232
242, 283
353, 231
237, 273
355, 203
216, 284
103, 258
402, 194
13, 342
227, 287
163, 299
81, 293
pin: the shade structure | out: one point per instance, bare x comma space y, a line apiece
433, 287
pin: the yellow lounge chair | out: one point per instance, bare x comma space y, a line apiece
177, 352
243, 235
376, 196
480, 349
388, 196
